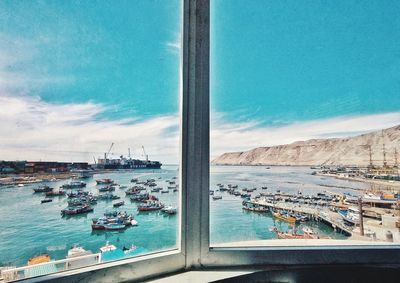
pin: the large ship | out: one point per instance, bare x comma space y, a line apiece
126, 162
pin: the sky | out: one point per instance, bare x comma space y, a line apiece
76, 76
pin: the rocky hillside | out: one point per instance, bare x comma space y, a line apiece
335, 151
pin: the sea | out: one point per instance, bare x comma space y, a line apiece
29, 228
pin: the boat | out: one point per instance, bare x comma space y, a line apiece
76, 251
216, 197
74, 185
118, 204
55, 193
39, 259
114, 226
43, 189
134, 180
46, 200
150, 206
107, 189
284, 217
169, 210
108, 248
104, 182
77, 210
351, 216
165, 191
130, 249
252, 207
140, 197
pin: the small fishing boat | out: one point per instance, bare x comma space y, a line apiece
216, 197
43, 189
114, 226
76, 251
104, 182
164, 191
107, 189
118, 204
46, 200
169, 210
77, 210
284, 217
134, 180
150, 206
130, 249
55, 193
74, 185
108, 248
39, 259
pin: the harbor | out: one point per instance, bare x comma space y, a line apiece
140, 208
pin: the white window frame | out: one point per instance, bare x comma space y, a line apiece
194, 249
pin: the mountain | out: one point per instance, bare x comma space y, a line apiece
333, 151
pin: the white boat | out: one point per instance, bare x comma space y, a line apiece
134, 222
169, 210
131, 249
108, 248
217, 197
352, 216
77, 251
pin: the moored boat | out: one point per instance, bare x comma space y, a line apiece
39, 259
114, 226
104, 182
284, 217
55, 193
46, 200
118, 204
169, 210
74, 185
43, 189
150, 206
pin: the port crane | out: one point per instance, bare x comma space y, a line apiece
108, 152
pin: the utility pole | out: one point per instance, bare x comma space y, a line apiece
361, 216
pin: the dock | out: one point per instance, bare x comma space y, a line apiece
324, 215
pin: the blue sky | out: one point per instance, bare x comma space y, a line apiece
287, 61
78, 75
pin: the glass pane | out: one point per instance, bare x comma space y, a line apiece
305, 123
89, 118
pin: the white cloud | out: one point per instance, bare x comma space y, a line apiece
228, 137
32, 129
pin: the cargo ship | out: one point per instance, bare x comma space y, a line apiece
126, 162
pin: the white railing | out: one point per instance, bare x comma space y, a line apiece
23, 272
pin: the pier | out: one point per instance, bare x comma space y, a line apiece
331, 218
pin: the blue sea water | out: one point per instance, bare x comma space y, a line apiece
28, 228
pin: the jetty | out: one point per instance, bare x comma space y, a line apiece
324, 215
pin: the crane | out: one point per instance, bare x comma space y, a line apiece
145, 155
109, 150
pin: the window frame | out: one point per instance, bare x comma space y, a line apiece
194, 250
